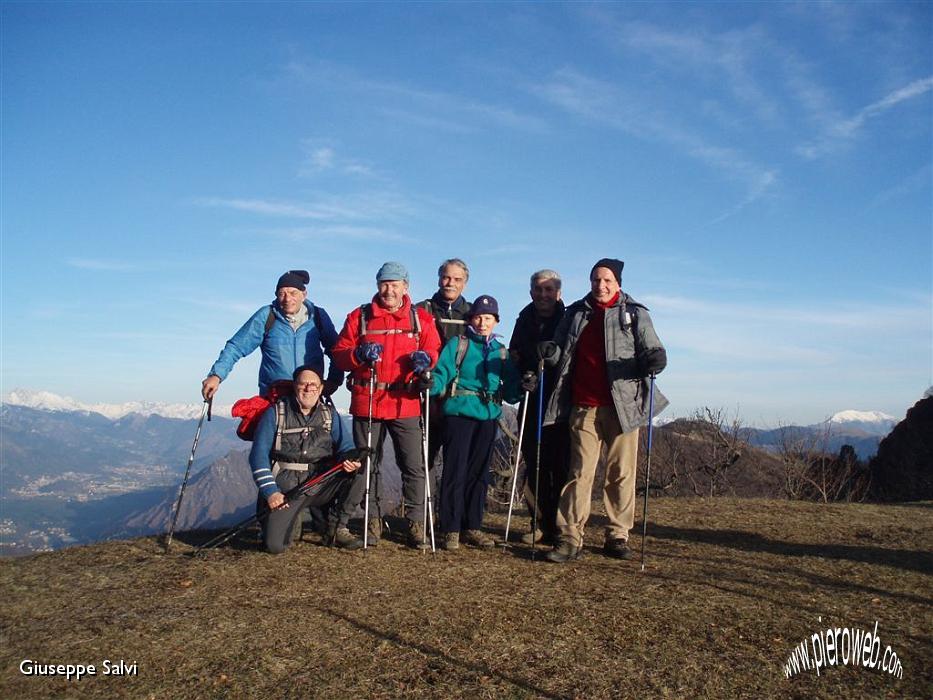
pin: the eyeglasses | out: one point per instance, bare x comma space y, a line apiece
311, 386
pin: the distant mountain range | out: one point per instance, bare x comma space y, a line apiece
76, 472
47, 401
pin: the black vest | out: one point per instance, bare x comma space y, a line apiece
301, 439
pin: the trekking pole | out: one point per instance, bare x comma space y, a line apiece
534, 517
428, 518
518, 457
644, 513
369, 453
205, 411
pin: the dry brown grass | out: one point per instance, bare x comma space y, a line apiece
730, 587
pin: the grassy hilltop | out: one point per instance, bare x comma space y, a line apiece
731, 587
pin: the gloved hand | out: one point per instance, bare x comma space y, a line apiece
548, 351
420, 361
529, 381
368, 353
425, 381
652, 361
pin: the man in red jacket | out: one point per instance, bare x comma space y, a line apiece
397, 343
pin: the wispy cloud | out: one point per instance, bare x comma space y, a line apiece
917, 181
267, 208
614, 106
364, 206
847, 129
338, 233
420, 106
101, 265
324, 158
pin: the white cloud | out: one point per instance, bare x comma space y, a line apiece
324, 158
419, 106
611, 105
847, 129
101, 265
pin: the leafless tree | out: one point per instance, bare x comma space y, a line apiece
812, 472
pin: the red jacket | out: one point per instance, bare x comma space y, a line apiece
394, 397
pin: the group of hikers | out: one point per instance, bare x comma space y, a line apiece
434, 375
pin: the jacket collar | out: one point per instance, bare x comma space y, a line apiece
458, 305
400, 312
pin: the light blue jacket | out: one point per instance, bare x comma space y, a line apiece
283, 349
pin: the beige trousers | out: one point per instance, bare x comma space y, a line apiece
590, 429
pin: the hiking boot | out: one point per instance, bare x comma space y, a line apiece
478, 538
564, 552
530, 538
344, 539
416, 537
451, 541
617, 548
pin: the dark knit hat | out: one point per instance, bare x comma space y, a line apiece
294, 278
611, 264
485, 305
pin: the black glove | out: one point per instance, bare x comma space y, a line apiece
424, 381
652, 361
548, 351
529, 381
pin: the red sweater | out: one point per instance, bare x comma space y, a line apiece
590, 381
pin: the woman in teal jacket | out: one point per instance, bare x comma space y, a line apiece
476, 375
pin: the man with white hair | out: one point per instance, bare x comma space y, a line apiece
536, 323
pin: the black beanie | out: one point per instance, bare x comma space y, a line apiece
611, 264
294, 278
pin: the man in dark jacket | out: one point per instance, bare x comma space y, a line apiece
290, 437
537, 323
451, 313
605, 348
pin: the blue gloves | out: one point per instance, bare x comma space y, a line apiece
368, 353
420, 361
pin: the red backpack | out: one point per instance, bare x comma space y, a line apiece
250, 410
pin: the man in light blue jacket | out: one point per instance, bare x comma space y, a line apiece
291, 332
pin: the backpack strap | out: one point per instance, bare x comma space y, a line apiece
365, 315
462, 344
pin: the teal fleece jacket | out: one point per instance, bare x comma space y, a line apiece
481, 370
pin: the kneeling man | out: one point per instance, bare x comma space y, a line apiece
290, 438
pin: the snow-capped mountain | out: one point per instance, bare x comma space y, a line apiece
47, 401
872, 422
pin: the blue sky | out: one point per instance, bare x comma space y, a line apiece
764, 169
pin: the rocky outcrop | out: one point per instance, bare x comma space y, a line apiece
903, 468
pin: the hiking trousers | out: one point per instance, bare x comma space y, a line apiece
555, 454
591, 428
467, 449
406, 439
277, 528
